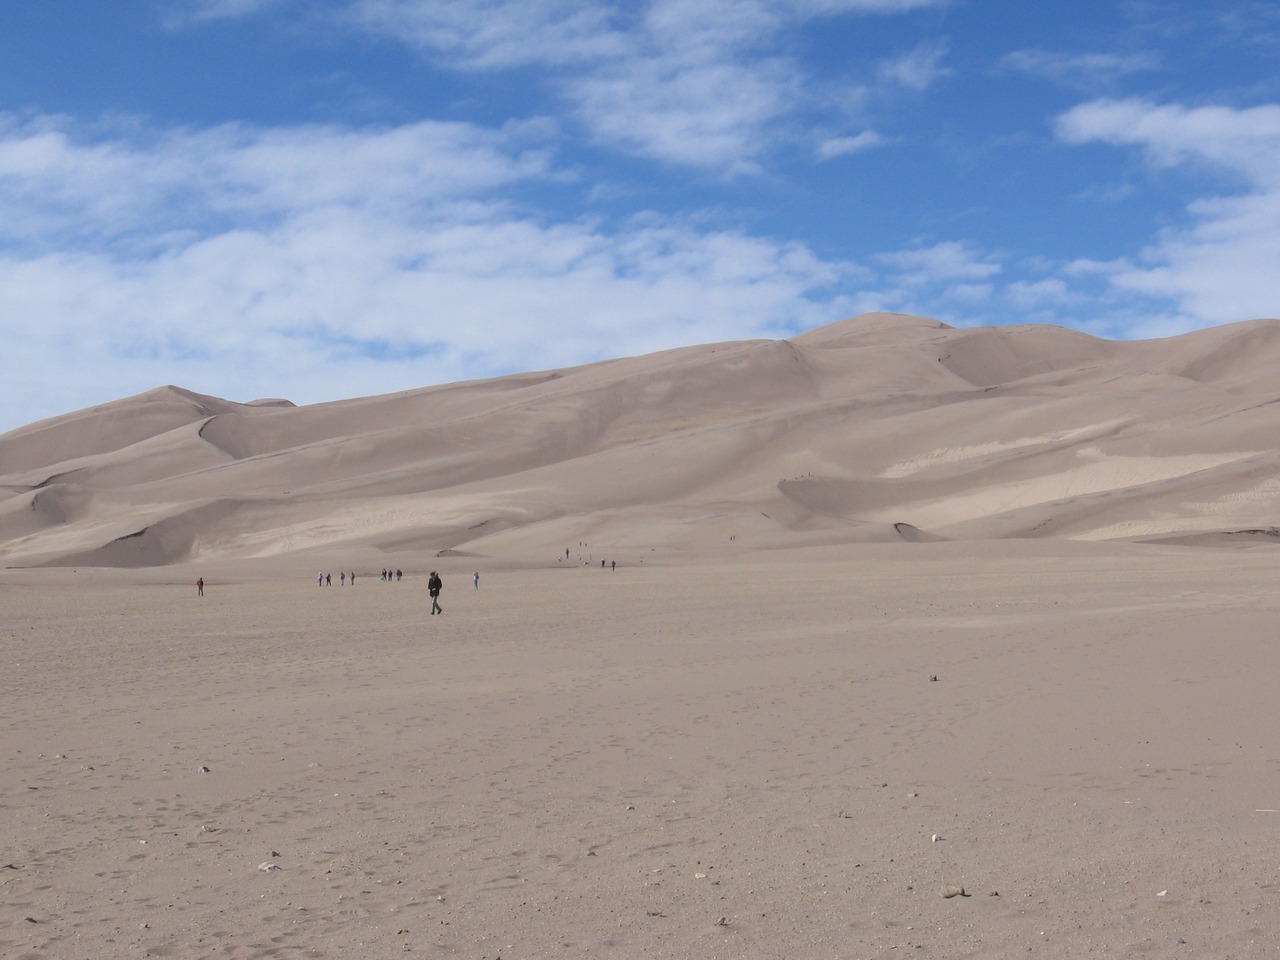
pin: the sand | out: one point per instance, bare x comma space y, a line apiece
734, 757
923, 642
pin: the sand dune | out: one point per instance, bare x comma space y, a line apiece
842, 433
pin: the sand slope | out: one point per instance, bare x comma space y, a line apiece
882, 427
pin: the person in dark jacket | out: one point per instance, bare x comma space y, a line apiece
434, 586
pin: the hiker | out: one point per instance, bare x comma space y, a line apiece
200, 587
475, 580
434, 586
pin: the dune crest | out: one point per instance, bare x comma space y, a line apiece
881, 427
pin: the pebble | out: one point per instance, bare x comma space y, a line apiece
949, 892
267, 866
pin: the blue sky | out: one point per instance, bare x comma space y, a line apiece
320, 199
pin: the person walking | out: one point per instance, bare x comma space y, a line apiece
434, 586
475, 580
200, 587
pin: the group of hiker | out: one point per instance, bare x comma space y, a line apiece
434, 583
326, 580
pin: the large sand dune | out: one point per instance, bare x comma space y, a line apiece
853, 432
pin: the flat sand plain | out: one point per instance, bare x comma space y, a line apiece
725, 758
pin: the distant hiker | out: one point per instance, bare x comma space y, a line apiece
399, 573
602, 563
566, 553
319, 579
434, 586
342, 578
475, 580
613, 565
384, 573
353, 578
200, 587
328, 580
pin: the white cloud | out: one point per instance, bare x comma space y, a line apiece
917, 70
1220, 269
843, 146
1245, 141
1027, 295
1221, 265
1081, 71
829, 7
699, 83
498, 34
59, 184
971, 294
183, 12
705, 115
948, 261
283, 272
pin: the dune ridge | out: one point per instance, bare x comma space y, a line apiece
880, 427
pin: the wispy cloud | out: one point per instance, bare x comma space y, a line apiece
179, 13
698, 83
1243, 141
917, 70
1096, 71
950, 260
499, 34
844, 146
65, 184
289, 261
1220, 265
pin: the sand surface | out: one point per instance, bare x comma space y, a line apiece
729, 758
